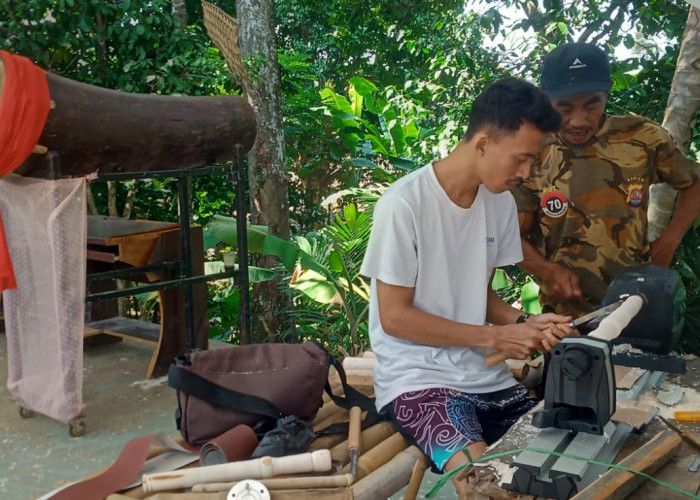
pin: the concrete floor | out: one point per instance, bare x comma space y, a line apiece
38, 454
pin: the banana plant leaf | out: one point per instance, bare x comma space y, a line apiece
260, 241
529, 295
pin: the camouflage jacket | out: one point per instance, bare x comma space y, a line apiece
590, 201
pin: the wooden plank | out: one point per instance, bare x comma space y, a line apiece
675, 472
617, 484
101, 256
127, 328
102, 229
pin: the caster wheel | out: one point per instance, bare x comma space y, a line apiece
25, 412
76, 429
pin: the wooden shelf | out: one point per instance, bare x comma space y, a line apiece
142, 331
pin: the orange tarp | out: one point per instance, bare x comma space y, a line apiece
23, 111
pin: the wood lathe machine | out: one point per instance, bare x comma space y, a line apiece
577, 435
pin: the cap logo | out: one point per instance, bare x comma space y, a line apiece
577, 64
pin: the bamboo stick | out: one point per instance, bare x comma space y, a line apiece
370, 438
617, 484
285, 483
379, 455
416, 478
317, 461
315, 494
389, 478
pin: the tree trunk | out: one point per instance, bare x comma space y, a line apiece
267, 173
179, 13
679, 119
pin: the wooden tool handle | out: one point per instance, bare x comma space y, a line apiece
355, 428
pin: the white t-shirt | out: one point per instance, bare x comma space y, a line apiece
421, 239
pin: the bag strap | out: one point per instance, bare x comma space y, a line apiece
353, 397
184, 380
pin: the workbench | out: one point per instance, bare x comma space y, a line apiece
486, 479
117, 245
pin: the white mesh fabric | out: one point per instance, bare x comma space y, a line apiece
46, 229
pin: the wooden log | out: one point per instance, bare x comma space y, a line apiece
389, 478
95, 128
617, 484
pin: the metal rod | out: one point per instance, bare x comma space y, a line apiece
161, 285
184, 185
188, 172
238, 178
120, 273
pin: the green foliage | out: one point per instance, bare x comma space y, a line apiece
370, 90
118, 44
515, 286
330, 296
687, 263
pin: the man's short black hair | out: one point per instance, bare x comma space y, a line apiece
506, 104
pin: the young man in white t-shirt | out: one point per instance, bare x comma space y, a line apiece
437, 236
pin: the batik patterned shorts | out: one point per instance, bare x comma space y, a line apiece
444, 421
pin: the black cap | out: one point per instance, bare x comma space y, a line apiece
574, 68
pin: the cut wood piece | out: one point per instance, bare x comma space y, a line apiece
93, 128
637, 417
626, 377
617, 484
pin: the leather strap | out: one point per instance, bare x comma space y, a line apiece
123, 473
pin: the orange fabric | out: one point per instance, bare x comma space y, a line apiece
23, 111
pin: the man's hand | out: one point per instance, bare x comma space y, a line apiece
562, 284
557, 327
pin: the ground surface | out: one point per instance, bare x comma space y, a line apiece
38, 454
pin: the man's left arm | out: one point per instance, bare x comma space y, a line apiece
685, 213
